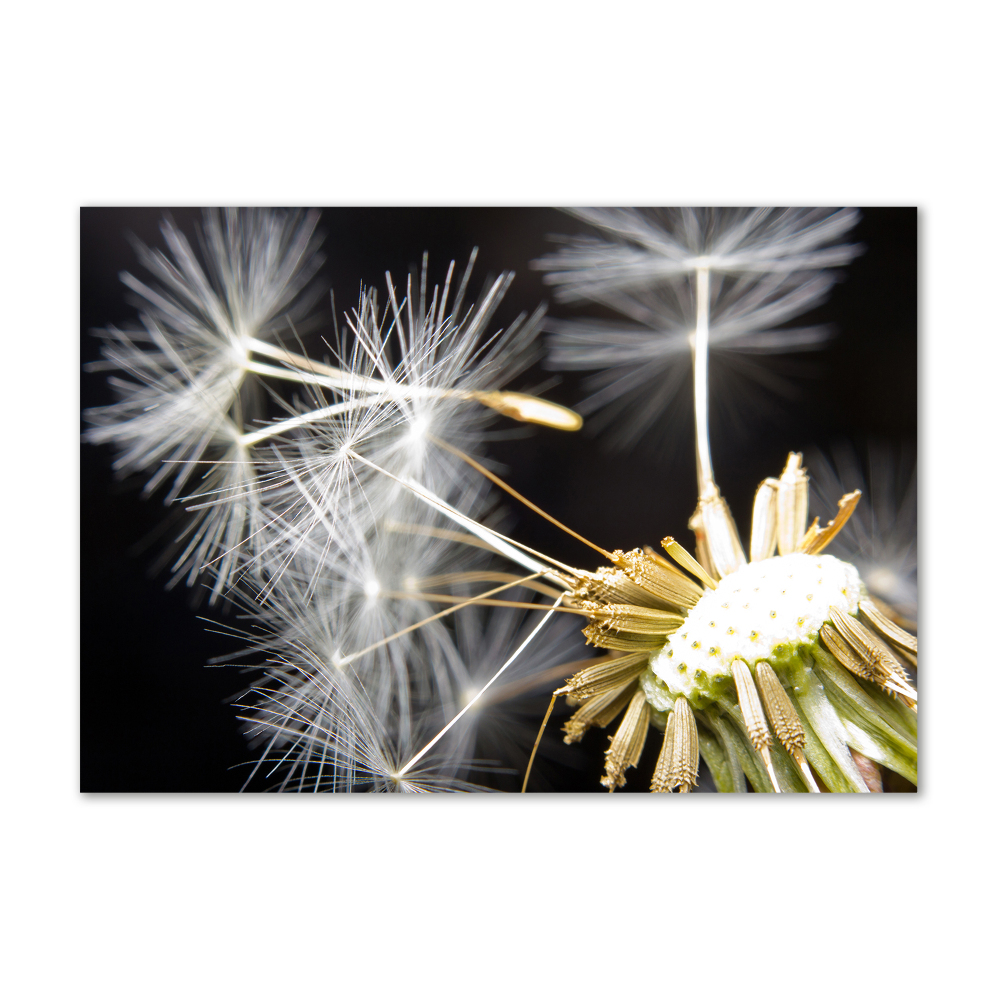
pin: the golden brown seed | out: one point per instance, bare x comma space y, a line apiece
891, 631
598, 712
816, 538
753, 716
657, 578
875, 654
613, 586
677, 765
628, 642
606, 673
661, 775
844, 654
632, 618
627, 743
784, 719
683, 558
897, 678
753, 711
866, 655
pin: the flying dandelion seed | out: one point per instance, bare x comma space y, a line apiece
764, 268
136, 685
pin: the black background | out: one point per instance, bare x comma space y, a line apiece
154, 718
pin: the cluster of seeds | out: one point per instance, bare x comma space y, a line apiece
732, 653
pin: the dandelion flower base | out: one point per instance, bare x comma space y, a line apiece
764, 611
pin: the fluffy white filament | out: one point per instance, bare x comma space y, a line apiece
320, 524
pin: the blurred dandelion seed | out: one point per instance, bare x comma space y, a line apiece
764, 267
881, 538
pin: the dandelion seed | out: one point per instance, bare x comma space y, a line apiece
766, 268
321, 733
188, 361
188, 398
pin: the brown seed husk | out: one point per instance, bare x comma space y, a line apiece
627, 743
844, 653
598, 712
865, 655
876, 654
626, 642
677, 765
633, 618
898, 679
606, 673
657, 578
816, 538
684, 757
662, 773
683, 558
750, 706
614, 586
889, 629
784, 719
